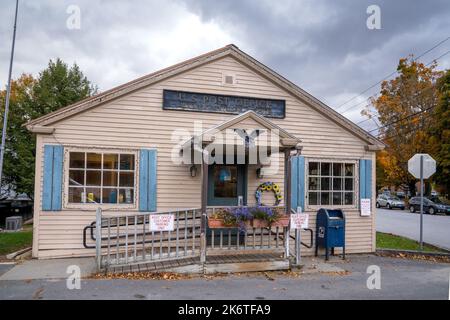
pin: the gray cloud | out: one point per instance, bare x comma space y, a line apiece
323, 46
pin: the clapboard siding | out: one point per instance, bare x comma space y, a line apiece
137, 121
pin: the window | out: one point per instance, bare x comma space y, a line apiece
331, 183
225, 181
105, 178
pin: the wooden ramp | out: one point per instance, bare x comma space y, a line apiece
214, 264
245, 263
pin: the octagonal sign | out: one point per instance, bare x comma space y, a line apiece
429, 165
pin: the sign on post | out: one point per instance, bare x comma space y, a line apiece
299, 220
421, 166
162, 222
429, 165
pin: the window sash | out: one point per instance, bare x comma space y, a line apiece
120, 189
333, 195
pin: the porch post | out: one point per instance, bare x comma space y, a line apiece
287, 180
204, 204
98, 238
287, 190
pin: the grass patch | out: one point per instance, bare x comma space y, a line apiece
390, 241
13, 241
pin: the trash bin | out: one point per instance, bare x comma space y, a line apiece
330, 230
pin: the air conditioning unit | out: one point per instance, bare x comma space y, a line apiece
13, 223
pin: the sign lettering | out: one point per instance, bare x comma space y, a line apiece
162, 222
202, 102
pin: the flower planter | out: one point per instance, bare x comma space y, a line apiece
282, 222
215, 223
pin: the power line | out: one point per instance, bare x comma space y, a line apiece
430, 62
391, 74
420, 126
404, 118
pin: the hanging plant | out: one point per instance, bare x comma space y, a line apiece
268, 186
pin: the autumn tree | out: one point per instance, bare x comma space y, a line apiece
57, 86
405, 108
440, 134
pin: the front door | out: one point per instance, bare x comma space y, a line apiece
226, 183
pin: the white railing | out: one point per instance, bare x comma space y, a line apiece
127, 239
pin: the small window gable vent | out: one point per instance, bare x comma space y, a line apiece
229, 79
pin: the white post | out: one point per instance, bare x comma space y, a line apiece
298, 241
8, 93
98, 238
421, 203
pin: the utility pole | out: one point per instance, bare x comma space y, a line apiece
8, 94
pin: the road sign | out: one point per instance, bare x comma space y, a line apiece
421, 166
429, 165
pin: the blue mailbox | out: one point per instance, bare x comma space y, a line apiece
330, 230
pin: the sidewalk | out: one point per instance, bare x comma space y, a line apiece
400, 279
57, 268
48, 269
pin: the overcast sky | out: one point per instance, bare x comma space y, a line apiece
324, 47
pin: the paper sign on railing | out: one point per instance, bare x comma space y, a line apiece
162, 222
299, 220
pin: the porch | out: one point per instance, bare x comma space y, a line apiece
126, 244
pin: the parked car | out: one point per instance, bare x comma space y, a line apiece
401, 194
389, 202
431, 207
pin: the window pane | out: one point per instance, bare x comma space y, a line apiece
349, 169
110, 178
337, 183
225, 181
94, 161
109, 195
313, 198
93, 178
337, 198
76, 177
348, 198
313, 168
126, 162
76, 160
325, 198
75, 195
337, 169
348, 183
110, 161
126, 195
325, 169
126, 179
313, 183
92, 195
325, 184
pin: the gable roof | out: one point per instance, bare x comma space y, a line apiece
37, 125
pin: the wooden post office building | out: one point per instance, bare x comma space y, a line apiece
115, 152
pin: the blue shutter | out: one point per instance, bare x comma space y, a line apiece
52, 180
365, 179
147, 180
298, 182
368, 179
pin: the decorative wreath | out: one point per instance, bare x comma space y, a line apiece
268, 186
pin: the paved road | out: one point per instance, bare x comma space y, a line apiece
436, 228
400, 279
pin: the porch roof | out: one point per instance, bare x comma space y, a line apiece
286, 140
